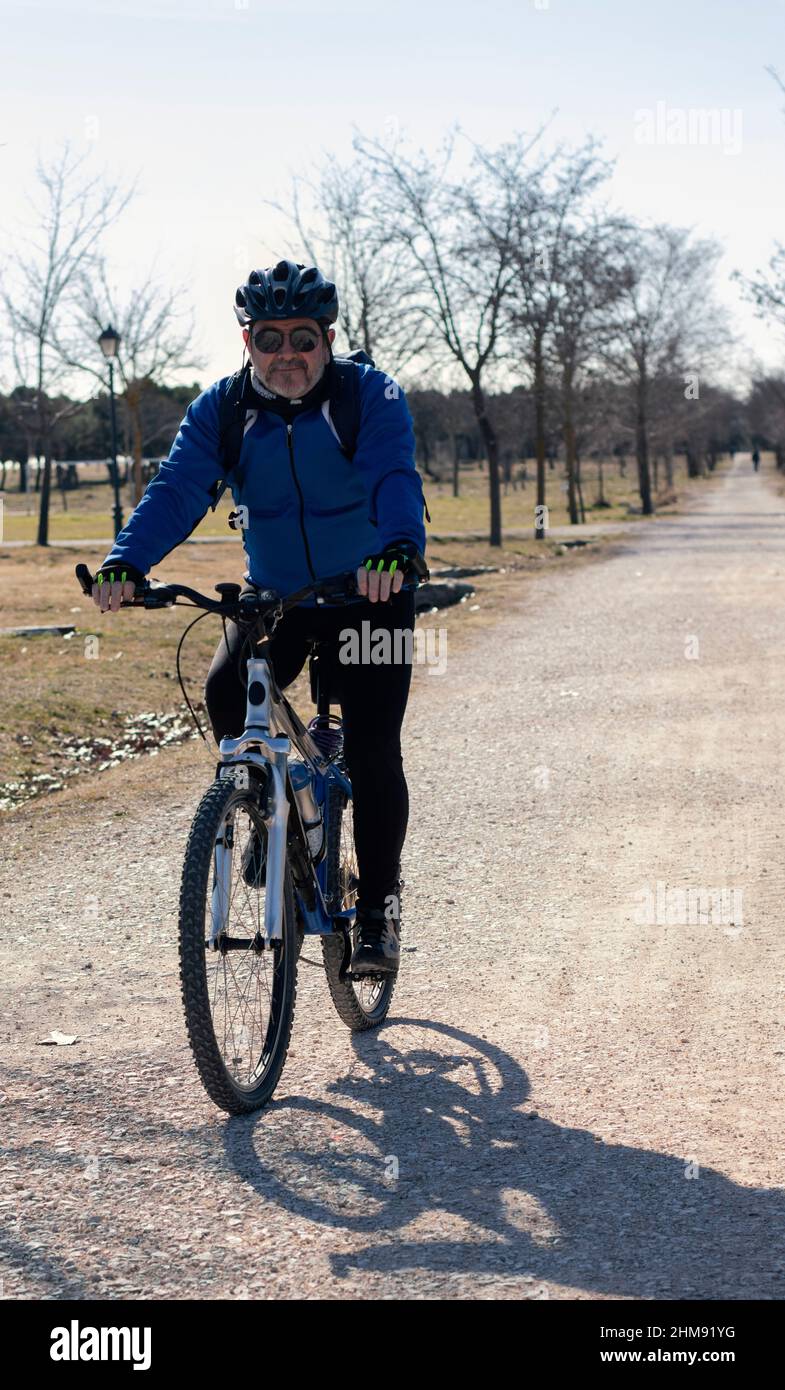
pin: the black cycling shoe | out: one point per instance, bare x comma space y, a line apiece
254, 861
378, 949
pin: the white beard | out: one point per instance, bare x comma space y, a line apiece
260, 386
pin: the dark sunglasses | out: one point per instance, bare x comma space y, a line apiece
269, 340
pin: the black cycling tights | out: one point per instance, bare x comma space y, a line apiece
373, 701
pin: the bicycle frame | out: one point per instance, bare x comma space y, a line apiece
271, 729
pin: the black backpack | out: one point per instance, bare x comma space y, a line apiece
344, 412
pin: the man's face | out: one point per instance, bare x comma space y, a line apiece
287, 371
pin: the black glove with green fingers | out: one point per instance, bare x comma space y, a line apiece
383, 573
115, 582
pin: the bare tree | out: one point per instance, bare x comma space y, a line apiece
664, 323
772, 71
459, 287
367, 264
543, 207
597, 415
766, 290
40, 282
155, 343
585, 284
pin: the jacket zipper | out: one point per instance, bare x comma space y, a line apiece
302, 501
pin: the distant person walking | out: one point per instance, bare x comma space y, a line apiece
755, 459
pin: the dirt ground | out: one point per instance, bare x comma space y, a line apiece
578, 1092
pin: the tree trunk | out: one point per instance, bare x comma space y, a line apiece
693, 463
61, 484
456, 471
642, 449
579, 486
569, 444
601, 502
539, 429
424, 458
492, 452
46, 489
133, 405
669, 465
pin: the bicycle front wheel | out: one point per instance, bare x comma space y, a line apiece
238, 995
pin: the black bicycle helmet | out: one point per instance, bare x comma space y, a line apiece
285, 291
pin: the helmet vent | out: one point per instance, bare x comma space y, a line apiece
285, 289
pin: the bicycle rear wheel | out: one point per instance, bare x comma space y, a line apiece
360, 1004
238, 999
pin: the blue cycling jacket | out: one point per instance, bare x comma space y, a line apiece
312, 512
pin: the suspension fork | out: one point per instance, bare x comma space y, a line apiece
222, 884
258, 747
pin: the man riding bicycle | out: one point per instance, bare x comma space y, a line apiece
308, 509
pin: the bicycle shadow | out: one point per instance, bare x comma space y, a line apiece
541, 1201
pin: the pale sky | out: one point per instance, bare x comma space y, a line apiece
212, 104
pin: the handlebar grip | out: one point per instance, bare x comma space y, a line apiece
86, 580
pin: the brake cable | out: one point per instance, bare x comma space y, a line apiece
248, 638
191, 709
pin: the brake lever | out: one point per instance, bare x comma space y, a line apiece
338, 592
150, 595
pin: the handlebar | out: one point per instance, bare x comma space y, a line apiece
337, 589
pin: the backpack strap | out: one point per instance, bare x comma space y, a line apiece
231, 429
345, 398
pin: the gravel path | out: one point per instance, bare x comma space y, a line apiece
571, 1100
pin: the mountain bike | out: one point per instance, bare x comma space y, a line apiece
270, 859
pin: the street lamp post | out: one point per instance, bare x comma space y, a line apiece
109, 342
